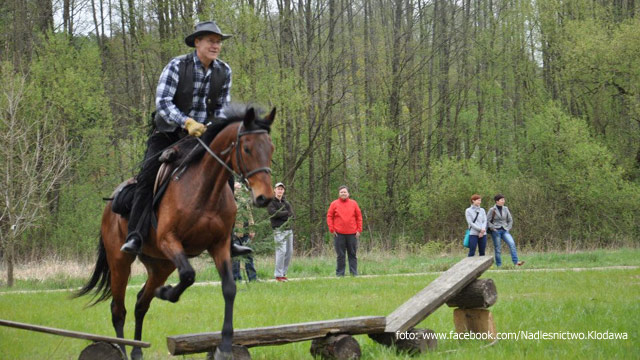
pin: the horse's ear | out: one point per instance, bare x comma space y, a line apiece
249, 117
271, 116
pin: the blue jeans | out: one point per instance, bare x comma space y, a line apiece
504, 235
481, 243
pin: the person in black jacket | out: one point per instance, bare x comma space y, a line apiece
280, 215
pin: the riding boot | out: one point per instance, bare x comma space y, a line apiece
139, 221
239, 250
133, 244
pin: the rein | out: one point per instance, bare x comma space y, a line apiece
244, 174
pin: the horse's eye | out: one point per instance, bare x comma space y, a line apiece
246, 150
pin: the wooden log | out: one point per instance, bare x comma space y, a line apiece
481, 293
74, 334
275, 335
479, 321
438, 292
413, 341
102, 351
338, 347
238, 352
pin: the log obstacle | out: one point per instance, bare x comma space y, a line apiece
439, 291
479, 321
103, 351
103, 345
481, 293
472, 313
276, 335
333, 339
339, 347
414, 342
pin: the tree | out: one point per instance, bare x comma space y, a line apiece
33, 161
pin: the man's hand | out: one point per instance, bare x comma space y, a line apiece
358, 235
194, 128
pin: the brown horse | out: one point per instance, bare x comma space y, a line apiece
197, 213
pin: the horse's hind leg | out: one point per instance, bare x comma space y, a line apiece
222, 258
158, 271
174, 252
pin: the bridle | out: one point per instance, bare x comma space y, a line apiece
244, 173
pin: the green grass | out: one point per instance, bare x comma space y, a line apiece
418, 260
554, 301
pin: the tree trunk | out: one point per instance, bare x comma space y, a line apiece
479, 321
10, 257
338, 347
412, 341
481, 293
103, 351
239, 353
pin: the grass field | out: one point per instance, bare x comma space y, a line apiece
560, 301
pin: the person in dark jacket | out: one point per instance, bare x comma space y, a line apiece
193, 89
500, 222
281, 215
243, 233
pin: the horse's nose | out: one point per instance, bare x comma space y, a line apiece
262, 201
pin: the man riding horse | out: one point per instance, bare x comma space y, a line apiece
192, 90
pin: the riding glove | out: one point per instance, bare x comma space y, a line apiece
194, 128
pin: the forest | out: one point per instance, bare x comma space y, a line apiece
414, 104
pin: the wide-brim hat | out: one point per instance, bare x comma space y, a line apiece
205, 27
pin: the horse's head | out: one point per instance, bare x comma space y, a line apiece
254, 150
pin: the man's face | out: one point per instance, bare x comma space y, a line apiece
237, 186
208, 46
344, 194
279, 192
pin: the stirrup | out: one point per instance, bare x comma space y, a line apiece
239, 250
133, 245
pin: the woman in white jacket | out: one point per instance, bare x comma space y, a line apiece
477, 220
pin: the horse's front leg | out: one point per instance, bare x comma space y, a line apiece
158, 271
222, 257
173, 250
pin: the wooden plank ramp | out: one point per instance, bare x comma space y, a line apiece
275, 335
74, 334
437, 293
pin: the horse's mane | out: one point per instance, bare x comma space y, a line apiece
190, 151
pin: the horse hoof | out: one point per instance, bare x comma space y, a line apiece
162, 292
136, 354
220, 355
165, 293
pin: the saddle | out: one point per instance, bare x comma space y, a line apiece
122, 196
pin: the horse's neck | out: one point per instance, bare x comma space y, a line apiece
213, 177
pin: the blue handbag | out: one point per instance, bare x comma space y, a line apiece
465, 243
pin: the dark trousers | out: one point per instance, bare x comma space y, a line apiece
347, 242
480, 242
248, 261
140, 216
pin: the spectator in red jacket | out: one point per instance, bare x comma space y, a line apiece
345, 223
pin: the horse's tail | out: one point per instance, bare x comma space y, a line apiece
100, 281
